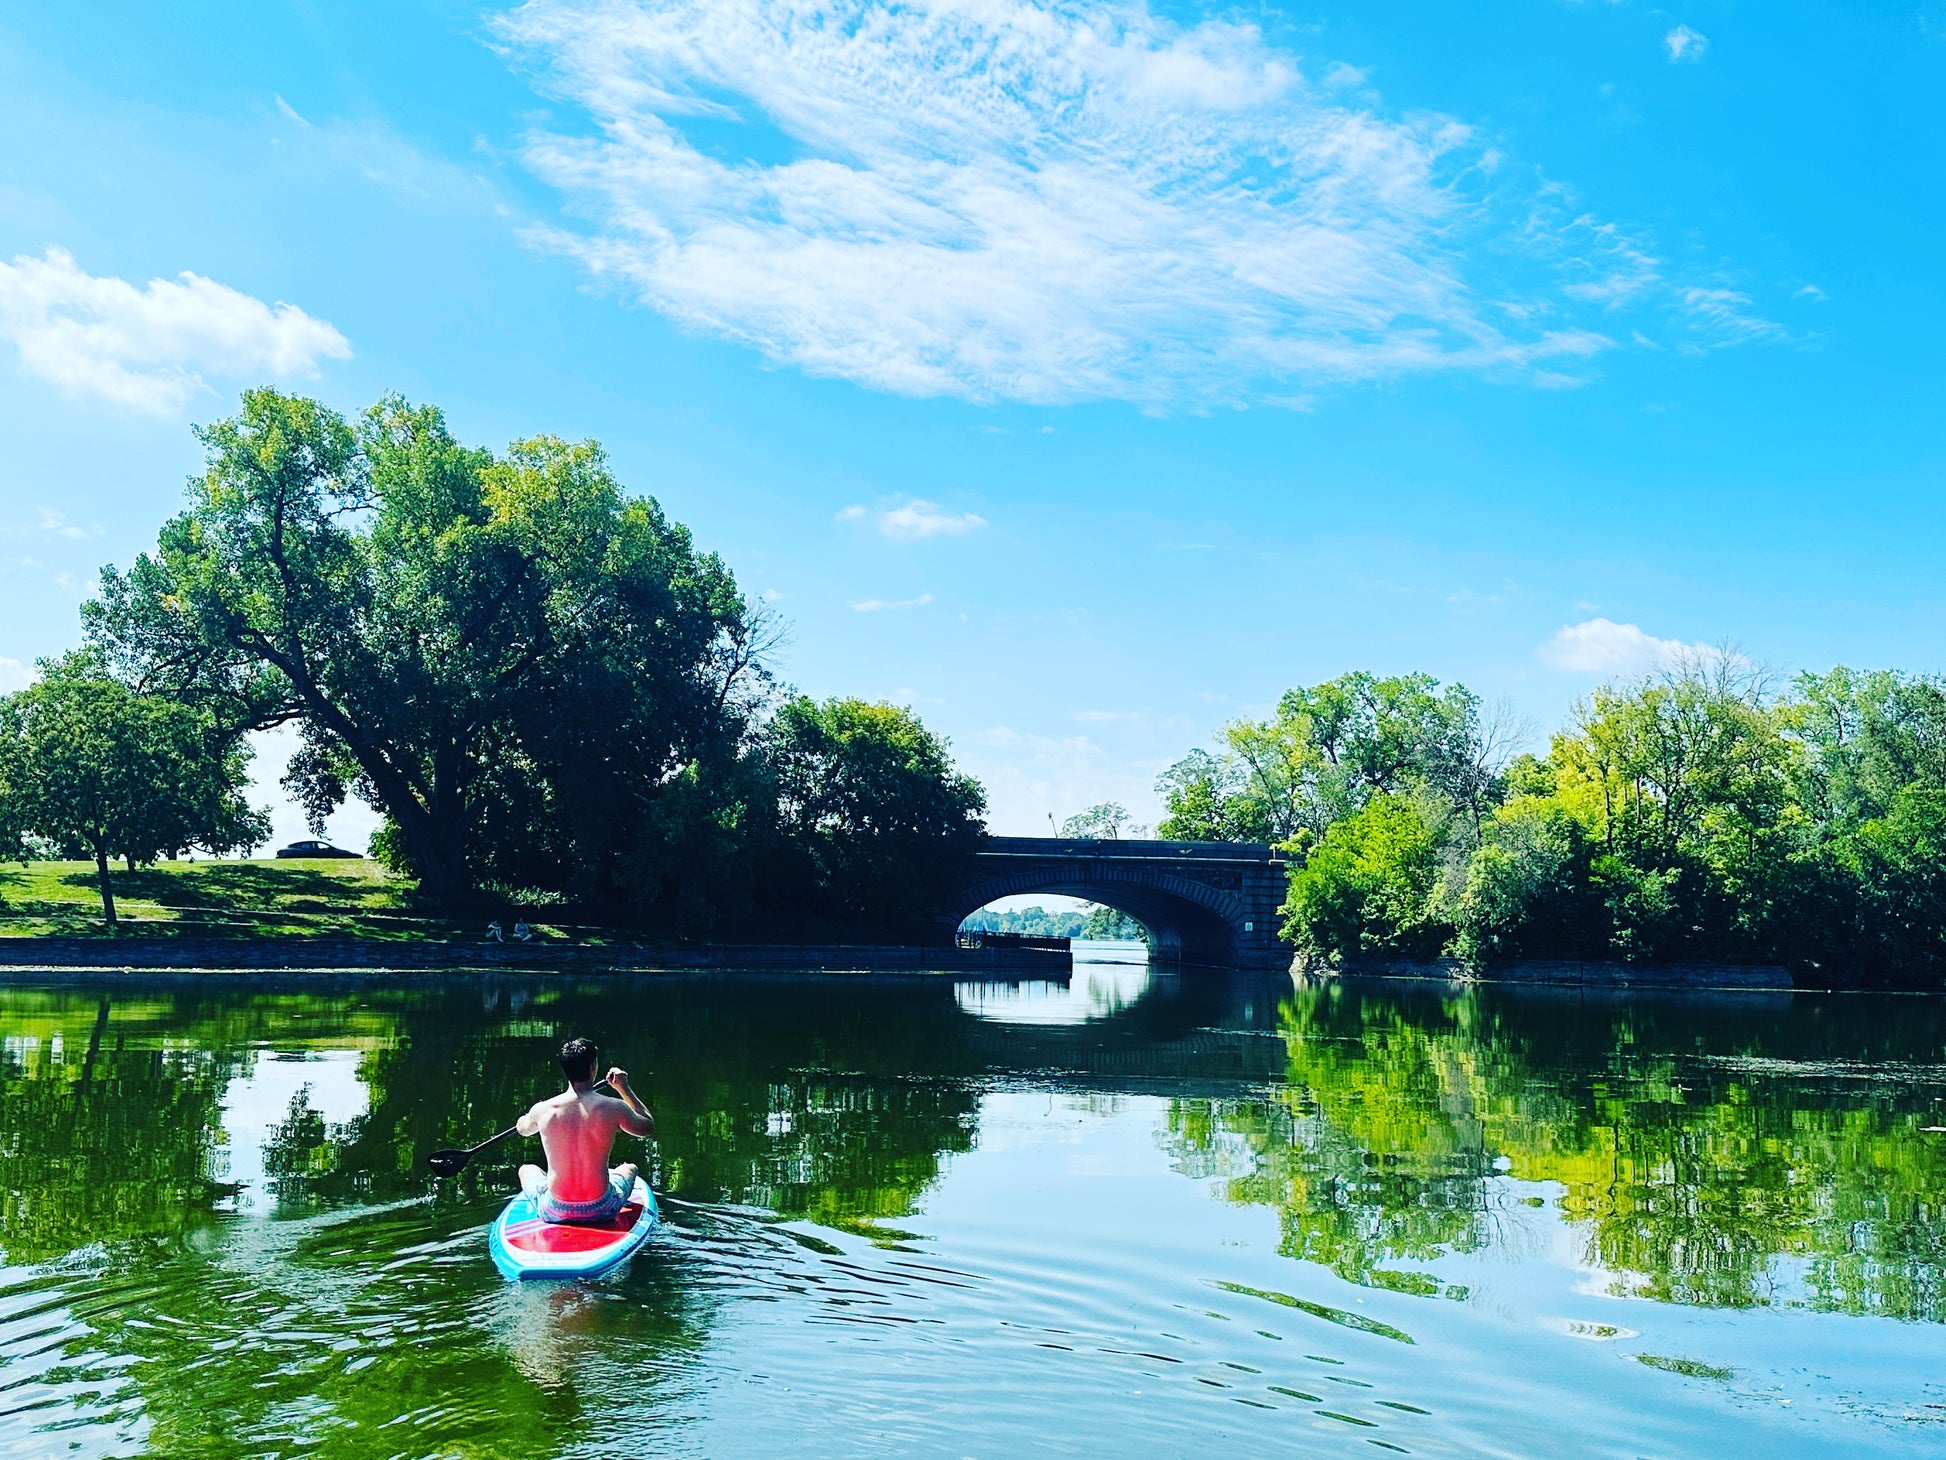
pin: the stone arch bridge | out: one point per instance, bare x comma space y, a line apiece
1213, 903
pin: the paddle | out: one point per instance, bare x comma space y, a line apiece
452, 1160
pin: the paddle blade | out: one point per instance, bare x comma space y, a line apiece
448, 1162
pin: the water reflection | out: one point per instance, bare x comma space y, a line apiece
216, 1236
1107, 978
1743, 1152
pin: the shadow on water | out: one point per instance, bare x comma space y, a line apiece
219, 1239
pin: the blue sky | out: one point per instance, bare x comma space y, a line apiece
1081, 375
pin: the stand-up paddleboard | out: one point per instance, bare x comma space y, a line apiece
524, 1246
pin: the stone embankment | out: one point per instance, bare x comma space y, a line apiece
327, 955
1573, 974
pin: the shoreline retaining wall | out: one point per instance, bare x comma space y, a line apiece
1559, 973
405, 955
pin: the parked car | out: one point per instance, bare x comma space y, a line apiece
313, 849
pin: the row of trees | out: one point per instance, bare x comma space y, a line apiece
537, 677
1705, 812
1094, 923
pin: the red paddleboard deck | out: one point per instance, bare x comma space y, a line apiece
523, 1246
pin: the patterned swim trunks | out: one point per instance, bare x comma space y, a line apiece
582, 1213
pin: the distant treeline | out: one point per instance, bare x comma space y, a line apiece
1100, 923
1702, 813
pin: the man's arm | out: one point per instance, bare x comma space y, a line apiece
635, 1118
530, 1123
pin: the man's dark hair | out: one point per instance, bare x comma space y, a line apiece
578, 1058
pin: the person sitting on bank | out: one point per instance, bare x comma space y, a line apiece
493, 932
577, 1130
522, 932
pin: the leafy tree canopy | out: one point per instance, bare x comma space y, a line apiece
89, 765
507, 656
869, 797
1328, 750
1103, 822
1700, 812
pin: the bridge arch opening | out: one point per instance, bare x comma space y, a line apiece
1176, 928
1210, 903
1056, 915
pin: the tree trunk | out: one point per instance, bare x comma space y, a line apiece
131, 861
434, 830
107, 893
88, 1064
437, 847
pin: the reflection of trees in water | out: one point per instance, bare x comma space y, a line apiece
1710, 1156
374, 1331
99, 1140
790, 1099
361, 1312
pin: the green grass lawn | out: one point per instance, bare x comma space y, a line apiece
254, 899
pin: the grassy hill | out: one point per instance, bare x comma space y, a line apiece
244, 899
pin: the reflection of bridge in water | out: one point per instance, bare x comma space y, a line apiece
1196, 1037
1211, 903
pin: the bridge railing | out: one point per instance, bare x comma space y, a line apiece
1059, 846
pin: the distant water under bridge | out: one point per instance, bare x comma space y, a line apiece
1212, 903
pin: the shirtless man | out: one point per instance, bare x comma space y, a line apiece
577, 1130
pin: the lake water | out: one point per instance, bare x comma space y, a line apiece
1164, 1214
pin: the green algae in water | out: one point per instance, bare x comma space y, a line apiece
1688, 1368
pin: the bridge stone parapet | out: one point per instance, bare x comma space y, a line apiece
1212, 903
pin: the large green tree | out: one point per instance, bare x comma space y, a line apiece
88, 764
1328, 750
461, 638
869, 799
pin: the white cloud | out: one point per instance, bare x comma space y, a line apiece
916, 518
14, 675
1033, 201
150, 348
919, 518
1684, 44
1811, 292
57, 523
1601, 646
880, 605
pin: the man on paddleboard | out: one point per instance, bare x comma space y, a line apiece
577, 1130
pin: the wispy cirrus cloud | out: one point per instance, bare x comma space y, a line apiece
914, 518
1602, 646
1724, 317
150, 348
58, 524
882, 605
1026, 200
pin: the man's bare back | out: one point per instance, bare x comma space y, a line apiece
577, 1130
